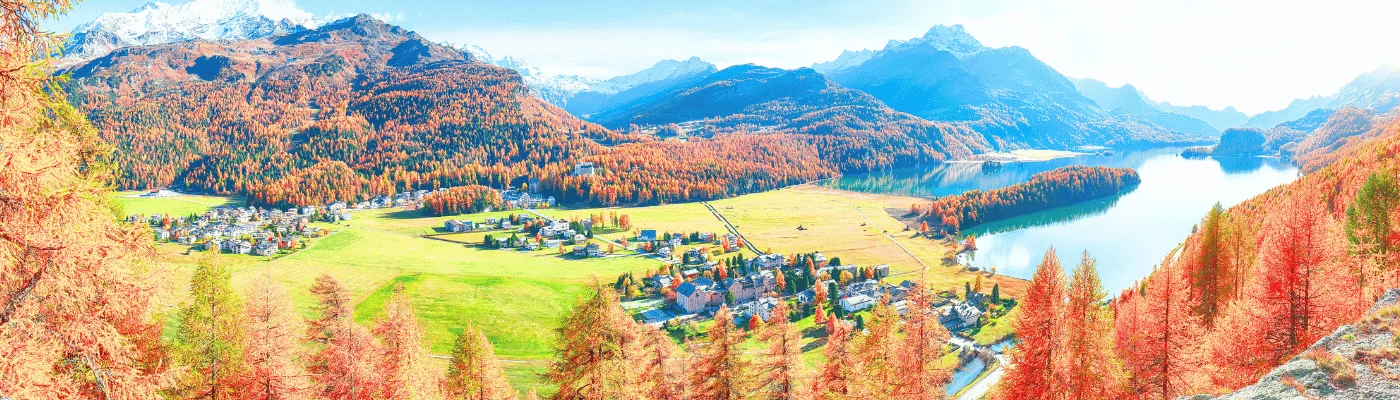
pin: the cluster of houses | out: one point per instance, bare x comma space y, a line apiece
665, 245
239, 230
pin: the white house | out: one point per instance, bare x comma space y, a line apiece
856, 303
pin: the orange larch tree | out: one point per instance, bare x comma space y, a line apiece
922, 374
273, 353
1088, 368
474, 373
720, 371
1038, 329
403, 366
781, 368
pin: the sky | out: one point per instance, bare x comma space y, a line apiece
1253, 55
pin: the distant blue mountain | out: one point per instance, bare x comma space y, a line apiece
1007, 94
1377, 90
1127, 99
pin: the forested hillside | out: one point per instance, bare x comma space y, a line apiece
358, 108
1252, 287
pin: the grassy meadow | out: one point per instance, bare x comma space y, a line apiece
517, 298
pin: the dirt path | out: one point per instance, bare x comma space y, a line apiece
732, 229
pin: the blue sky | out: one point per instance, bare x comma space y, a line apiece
1254, 55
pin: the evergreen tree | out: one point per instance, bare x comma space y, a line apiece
1371, 227
209, 337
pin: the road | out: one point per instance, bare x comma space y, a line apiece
732, 229
892, 240
984, 385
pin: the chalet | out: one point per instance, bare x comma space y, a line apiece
265, 248
585, 168
819, 259
697, 255
959, 316
336, 206
706, 236
882, 271
856, 303
977, 299
530, 245
690, 273
308, 210
552, 243
453, 225
660, 281
767, 262
589, 250
236, 246
580, 238
647, 235
162, 235
491, 221
762, 308
664, 252
505, 223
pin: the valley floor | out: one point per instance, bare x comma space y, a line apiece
517, 298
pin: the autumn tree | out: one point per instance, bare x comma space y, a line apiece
1168, 362
720, 371
878, 349
1208, 280
75, 296
838, 371
594, 355
1031, 374
921, 373
661, 369
781, 368
474, 373
273, 346
209, 336
346, 362
1088, 367
1299, 255
403, 365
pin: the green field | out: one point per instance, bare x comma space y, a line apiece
517, 298
181, 205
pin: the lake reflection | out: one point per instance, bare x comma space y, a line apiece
1128, 234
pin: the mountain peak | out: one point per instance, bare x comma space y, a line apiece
160, 23
662, 70
950, 38
953, 39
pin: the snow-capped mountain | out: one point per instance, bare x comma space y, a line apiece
663, 70
847, 59
555, 89
157, 23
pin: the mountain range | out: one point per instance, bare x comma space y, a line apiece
1377, 90
160, 23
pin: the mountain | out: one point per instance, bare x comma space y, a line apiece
1354, 362
1221, 119
751, 98
555, 89
160, 23
352, 108
1008, 95
846, 60
1377, 90
610, 95
1127, 99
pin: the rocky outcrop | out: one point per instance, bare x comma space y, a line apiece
1358, 361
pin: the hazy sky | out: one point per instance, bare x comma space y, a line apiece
1254, 55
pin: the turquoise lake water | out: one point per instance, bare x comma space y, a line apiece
1127, 234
